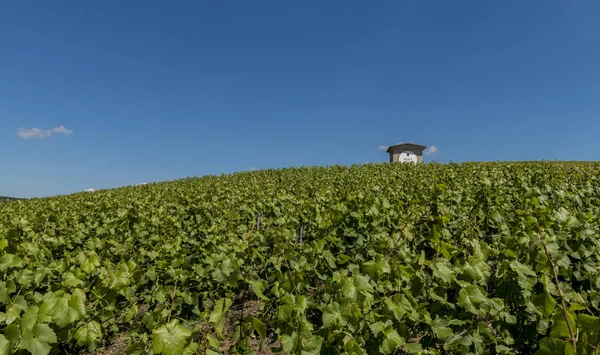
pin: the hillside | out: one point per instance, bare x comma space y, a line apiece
378, 258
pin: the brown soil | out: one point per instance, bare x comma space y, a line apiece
117, 348
251, 308
271, 345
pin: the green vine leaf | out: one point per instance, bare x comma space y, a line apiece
560, 328
38, 340
3, 292
258, 287
9, 261
289, 342
440, 329
217, 316
391, 342
443, 272
191, 349
69, 308
470, 298
4, 345
88, 334
260, 328
312, 346
14, 310
332, 314
545, 303
170, 339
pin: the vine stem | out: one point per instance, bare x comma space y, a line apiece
562, 298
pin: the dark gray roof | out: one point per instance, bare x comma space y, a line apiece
407, 146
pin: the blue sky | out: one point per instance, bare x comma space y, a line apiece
124, 92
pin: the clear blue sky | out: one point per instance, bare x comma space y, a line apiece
156, 90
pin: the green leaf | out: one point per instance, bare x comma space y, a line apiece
361, 283
223, 270
413, 347
458, 341
69, 308
583, 339
391, 343
569, 349
351, 346
118, 281
443, 272
348, 290
396, 308
89, 333
77, 302
213, 342
191, 349
14, 311
376, 268
69, 280
258, 287
4, 345
590, 325
3, 244
13, 333
217, 316
470, 297
521, 269
43, 332
9, 261
170, 339
545, 303
561, 215
289, 342
440, 329
476, 269
260, 327
38, 340
330, 259
589, 322
377, 327
3, 292
331, 314
560, 328
89, 263
312, 346
301, 304
29, 318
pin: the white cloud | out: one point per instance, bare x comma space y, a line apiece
62, 130
33, 133
252, 168
431, 150
89, 190
38, 133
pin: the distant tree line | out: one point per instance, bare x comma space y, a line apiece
6, 198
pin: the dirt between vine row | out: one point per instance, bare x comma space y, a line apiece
271, 345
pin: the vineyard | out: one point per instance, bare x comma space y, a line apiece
473, 258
